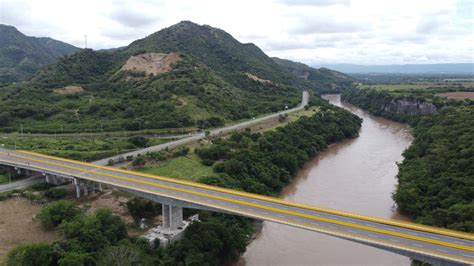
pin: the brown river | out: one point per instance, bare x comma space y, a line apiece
356, 175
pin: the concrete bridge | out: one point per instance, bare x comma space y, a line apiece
433, 245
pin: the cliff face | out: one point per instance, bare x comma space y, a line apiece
410, 107
398, 108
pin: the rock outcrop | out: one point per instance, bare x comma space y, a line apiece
410, 107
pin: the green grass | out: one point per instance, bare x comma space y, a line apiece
3, 179
184, 167
73, 148
292, 117
395, 87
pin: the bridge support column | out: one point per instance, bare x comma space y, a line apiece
86, 188
78, 187
172, 217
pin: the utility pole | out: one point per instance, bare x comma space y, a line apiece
21, 130
9, 177
85, 39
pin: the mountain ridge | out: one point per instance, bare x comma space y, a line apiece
21, 55
448, 68
212, 79
323, 79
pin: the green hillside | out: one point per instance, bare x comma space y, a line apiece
21, 55
205, 78
324, 80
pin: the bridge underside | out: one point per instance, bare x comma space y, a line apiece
173, 215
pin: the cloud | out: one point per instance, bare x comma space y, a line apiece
310, 31
9, 11
327, 25
133, 18
430, 24
313, 2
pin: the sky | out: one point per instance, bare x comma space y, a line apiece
310, 31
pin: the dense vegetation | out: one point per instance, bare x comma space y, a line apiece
436, 179
377, 100
21, 55
210, 84
323, 80
263, 163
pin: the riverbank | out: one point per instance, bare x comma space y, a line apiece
435, 177
357, 175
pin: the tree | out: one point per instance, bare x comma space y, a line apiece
57, 212
55, 193
138, 141
139, 161
142, 208
124, 255
35, 254
94, 232
76, 259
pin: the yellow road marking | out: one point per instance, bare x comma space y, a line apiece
278, 220
403, 224
362, 227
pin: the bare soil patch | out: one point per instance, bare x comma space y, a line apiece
457, 95
255, 78
68, 90
116, 203
17, 225
151, 63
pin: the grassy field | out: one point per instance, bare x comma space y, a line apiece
427, 90
395, 87
79, 149
419, 86
184, 167
292, 117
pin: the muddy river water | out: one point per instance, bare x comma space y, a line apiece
356, 175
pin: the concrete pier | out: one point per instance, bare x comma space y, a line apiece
172, 217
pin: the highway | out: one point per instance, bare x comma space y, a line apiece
397, 235
20, 184
198, 136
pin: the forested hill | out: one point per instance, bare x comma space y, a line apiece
182, 76
324, 79
436, 179
22, 55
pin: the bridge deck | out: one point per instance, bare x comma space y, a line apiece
396, 235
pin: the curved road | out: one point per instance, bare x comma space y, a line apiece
198, 136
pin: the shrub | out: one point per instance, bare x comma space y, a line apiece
58, 212
42, 186
181, 152
96, 231
143, 208
35, 254
76, 259
138, 141
55, 193
139, 161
